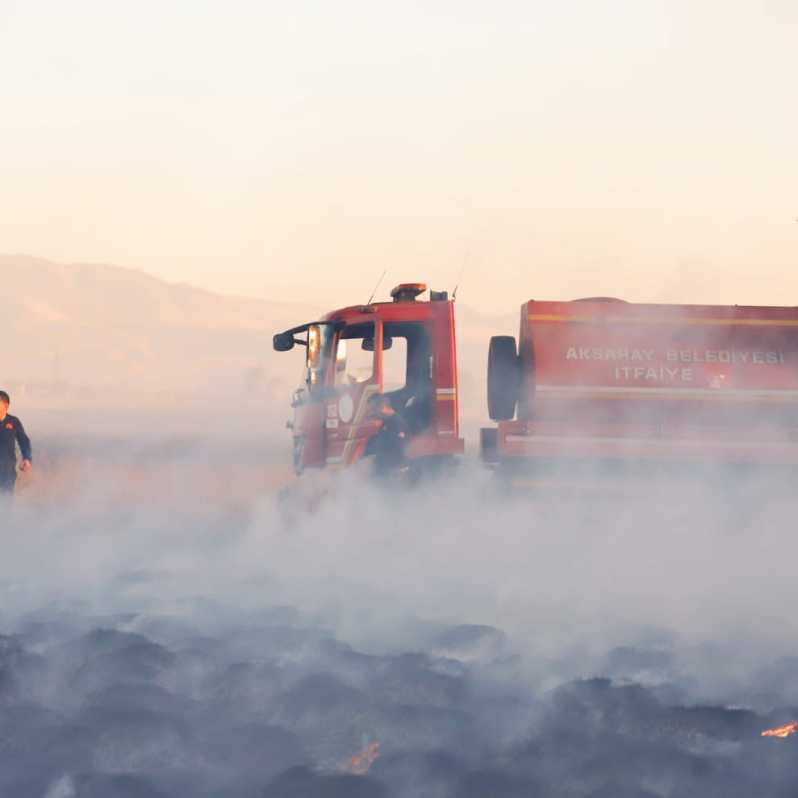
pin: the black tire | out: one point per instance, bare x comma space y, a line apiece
504, 377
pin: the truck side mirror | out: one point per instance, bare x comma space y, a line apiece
283, 342
368, 344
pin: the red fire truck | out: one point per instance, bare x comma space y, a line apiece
588, 380
401, 354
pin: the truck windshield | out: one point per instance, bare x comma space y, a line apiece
319, 349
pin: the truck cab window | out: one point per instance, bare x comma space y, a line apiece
354, 359
407, 381
394, 365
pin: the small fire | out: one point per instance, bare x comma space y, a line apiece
361, 763
782, 731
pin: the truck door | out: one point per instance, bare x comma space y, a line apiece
348, 424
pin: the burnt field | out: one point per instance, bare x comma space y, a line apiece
162, 636
144, 706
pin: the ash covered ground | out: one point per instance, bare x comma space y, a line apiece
171, 630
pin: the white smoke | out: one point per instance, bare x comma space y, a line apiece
700, 566
61, 788
170, 615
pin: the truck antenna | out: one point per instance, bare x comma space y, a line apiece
459, 280
376, 287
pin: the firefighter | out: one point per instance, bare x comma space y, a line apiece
11, 433
389, 443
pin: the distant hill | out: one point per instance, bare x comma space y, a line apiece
96, 329
104, 335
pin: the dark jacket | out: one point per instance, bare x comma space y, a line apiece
11, 433
390, 442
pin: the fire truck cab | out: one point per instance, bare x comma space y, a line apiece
398, 357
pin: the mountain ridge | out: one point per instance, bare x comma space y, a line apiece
103, 334
80, 288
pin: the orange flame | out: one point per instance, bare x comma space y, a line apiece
361, 763
782, 731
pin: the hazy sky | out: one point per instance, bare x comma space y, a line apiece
294, 150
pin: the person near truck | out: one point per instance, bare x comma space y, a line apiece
12, 433
390, 442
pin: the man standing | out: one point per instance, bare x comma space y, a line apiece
390, 442
11, 433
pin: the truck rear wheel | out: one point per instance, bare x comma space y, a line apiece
504, 377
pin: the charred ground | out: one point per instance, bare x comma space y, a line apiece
164, 638
139, 706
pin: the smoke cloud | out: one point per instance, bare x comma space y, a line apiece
174, 624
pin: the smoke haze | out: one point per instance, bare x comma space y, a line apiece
178, 618
175, 626
644, 150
